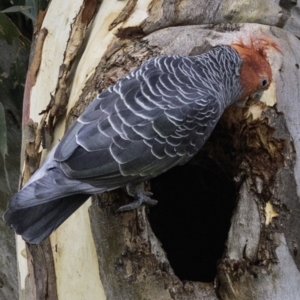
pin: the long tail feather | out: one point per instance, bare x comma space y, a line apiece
37, 222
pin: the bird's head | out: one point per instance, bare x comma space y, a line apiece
255, 72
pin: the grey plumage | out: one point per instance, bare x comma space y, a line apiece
157, 117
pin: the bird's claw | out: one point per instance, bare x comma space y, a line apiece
141, 197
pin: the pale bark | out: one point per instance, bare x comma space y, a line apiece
99, 254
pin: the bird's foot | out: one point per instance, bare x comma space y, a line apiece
140, 196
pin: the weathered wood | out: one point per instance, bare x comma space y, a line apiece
264, 150
41, 279
188, 12
42, 282
267, 141
132, 262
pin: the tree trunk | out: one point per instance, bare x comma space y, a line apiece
98, 254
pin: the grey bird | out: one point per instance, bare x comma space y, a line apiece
156, 117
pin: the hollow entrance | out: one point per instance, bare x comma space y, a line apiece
192, 217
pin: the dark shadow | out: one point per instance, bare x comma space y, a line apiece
192, 217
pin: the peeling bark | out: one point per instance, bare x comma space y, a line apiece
268, 157
42, 283
58, 104
36, 62
124, 14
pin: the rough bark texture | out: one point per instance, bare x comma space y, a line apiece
261, 258
42, 283
134, 265
265, 153
284, 14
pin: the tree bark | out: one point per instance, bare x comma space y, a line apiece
98, 254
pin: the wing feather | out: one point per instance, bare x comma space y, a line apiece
145, 124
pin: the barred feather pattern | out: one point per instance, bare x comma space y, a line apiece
157, 117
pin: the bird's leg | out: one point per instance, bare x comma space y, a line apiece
140, 197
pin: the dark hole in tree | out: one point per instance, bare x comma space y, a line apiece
192, 217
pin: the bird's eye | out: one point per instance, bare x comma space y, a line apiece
197, 63
264, 82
